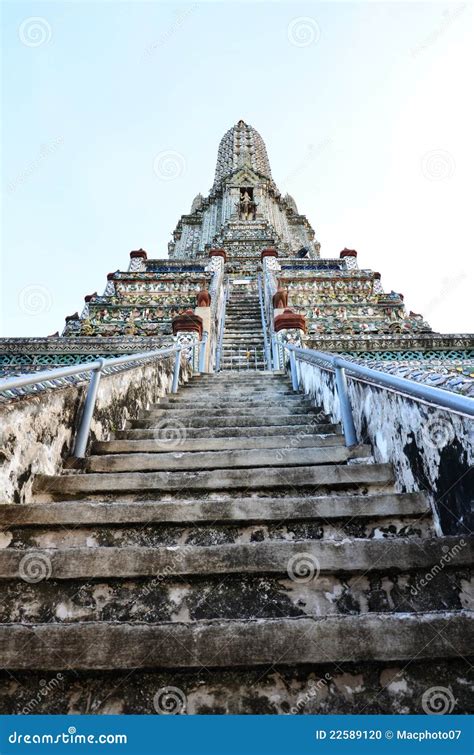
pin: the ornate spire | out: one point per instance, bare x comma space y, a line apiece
241, 146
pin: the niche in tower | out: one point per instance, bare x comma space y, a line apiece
247, 205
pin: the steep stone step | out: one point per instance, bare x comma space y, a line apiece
267, 557
182, 432
254, 457
232, 401
31, 539
222, 410
341, 475
238, 509
184, 600
227, 644
176, 443
239, 420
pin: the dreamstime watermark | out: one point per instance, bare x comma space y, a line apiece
35, 567
295, 440
170, 433
438, 165
312, 153
449, 16
437, 432
449, 284
438, 701
35, 300
45, 689
169, 165
303, 31
170, 701
45, 151
303, 568
167, 571
170, 32
313, 692
445, 560
35, 31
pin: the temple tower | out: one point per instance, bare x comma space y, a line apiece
244, 210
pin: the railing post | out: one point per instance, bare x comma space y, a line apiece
275, 352
82, 436
294, 374
346, 409
202, 353
177, 363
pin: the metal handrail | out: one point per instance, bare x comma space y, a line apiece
56, 379
222, 327
268, 360
432, 395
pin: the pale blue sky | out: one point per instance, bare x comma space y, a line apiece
367, 121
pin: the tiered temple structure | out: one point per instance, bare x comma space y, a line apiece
244, 227
265, 542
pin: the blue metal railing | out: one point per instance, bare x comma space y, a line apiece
344, 368
63, 376
221, 328
265, 328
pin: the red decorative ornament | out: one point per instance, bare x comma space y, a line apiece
203, 299
269, 252
218, 253
280, 299
347, 253
290, 320
187, 322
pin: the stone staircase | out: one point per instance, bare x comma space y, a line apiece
243, 335
226, 553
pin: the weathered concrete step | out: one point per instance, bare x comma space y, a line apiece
238, 509
268, 378
222, 410
237, 597
176, 442
224, 392
213, 534
267, 557
228, 644
315, 689
239, 385
184, 399
239, 420
341, 475
253, 457
182, 431
241, 325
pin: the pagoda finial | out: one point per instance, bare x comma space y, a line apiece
241, 145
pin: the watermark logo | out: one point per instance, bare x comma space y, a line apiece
35, 567
303, 31
35, 300
445, 560
35, 31
171, 433
438, 432
438, 701
438, 165
170, 701
169, 165
303, 567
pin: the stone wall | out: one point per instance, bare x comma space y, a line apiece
37, 432
430, 449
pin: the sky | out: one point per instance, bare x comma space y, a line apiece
365, 108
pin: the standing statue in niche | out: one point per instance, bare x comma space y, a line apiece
247, 207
